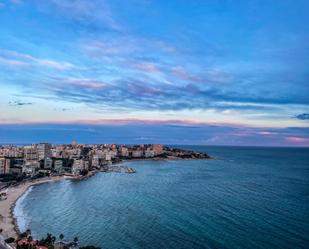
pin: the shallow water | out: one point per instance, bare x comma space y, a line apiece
247, 198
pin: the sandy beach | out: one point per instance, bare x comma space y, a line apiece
7, 222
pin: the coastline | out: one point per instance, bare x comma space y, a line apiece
7, 220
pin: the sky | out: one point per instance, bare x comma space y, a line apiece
208, 72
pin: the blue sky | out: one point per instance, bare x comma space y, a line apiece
182, 72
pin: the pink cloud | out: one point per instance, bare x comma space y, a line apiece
297, 139
10, 62
14, 58
124, 121
147, 67
86, 83
266, 133
54, 64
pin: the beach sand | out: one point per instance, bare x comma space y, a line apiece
7, 222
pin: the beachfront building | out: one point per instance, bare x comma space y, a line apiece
79, 165
5, 164
30, 167
18, 170
137, 153
44, 150
32, 164
124, 152
149, 153
28, 170
58, 166
95, 162
158, 149
48, 163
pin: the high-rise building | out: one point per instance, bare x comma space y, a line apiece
44, 150
48, 163
59, 165
5, 165
30, 153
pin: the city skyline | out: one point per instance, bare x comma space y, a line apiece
142, 71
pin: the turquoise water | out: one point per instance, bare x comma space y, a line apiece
247, 198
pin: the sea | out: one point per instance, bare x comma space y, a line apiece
246, 197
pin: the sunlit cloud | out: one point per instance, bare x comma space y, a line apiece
14, 58
140, 63
85, 83
147, 67
297, 140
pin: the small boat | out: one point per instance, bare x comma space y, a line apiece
130, 171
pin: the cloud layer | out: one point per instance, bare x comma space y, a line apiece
207, 62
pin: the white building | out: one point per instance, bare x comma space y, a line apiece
30, 153
137, 153
95, 161
48, 163
30, 167
59, 165
79, 165
149, 153
108, 156
44, 150
124, 152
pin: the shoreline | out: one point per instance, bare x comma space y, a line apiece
8, 221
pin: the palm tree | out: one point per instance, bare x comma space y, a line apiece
75, 240
61, 237
29, 242
28, 232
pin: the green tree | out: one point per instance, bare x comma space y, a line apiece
75, 240
61, 237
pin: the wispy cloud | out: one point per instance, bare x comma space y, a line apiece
146, 67
150, 131
12, 62
143, 58
85, 83
13, 58
96, 12
297, 139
